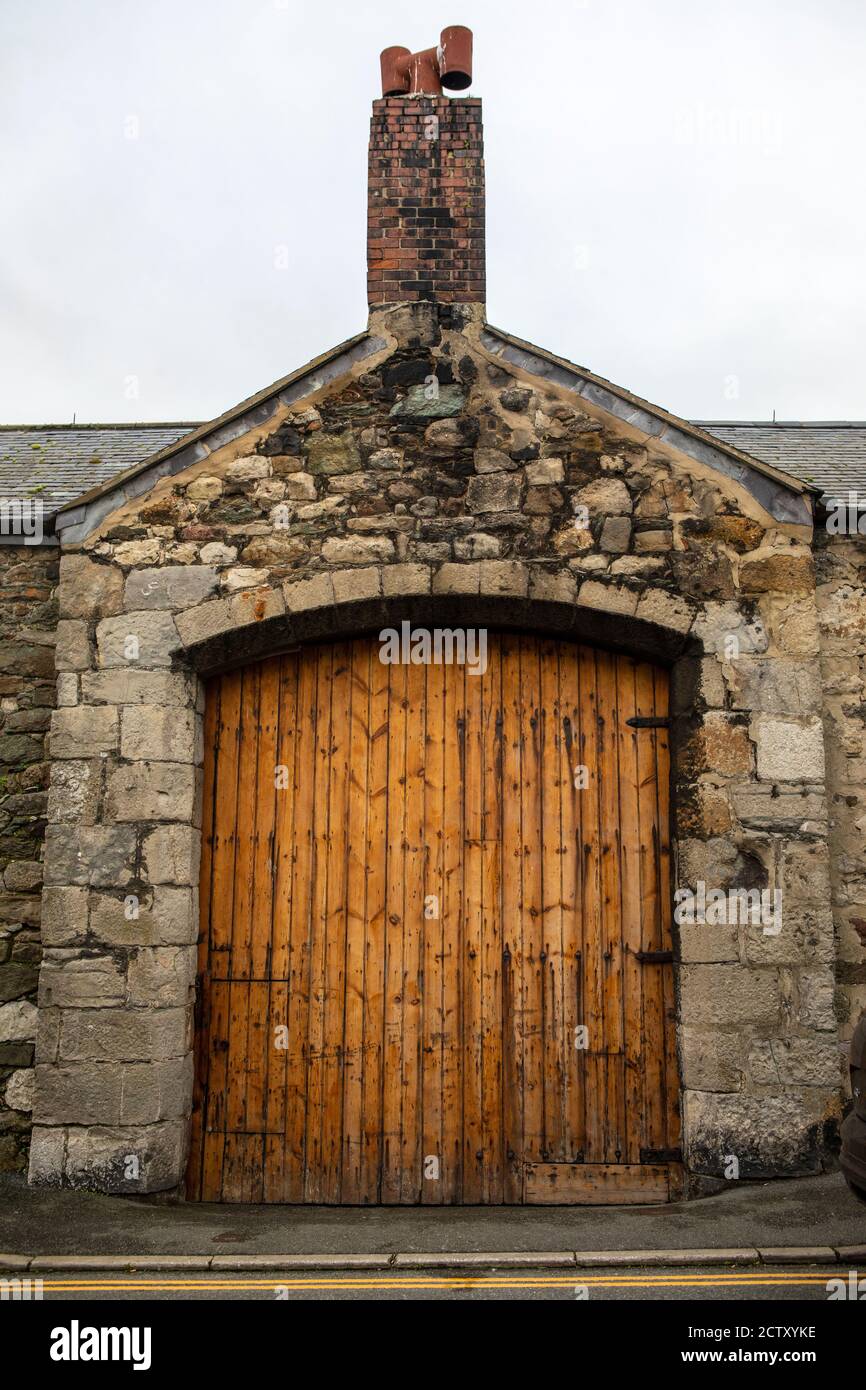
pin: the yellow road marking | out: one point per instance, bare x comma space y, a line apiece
762, 1280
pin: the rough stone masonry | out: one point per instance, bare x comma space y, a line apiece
428, 472
28, 617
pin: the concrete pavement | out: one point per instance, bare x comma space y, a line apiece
816, 1214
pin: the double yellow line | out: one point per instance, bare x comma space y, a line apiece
761, 1279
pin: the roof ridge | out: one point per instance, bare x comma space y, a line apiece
109, 425
784, 424
196, 424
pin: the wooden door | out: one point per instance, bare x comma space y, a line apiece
435, 953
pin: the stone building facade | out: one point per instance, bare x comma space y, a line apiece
438, 470
28, 617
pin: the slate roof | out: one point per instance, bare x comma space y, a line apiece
61, 462
829, 453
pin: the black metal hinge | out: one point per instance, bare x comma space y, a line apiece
649, 721
654, 957
661, 1155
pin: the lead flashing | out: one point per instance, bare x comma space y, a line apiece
785, 498
78, 520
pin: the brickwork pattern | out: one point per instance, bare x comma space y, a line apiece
425, 222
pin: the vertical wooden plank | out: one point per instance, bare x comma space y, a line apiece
572, 783
222, 896
260, 1036
239, 1061
394, 918
275, 1174
652, 984
234, 1179
512, 933
244, 863
265, 821
473, 1134
225, 825
611, 916
552, 985
433, 1007
453, 951
491, 922
630, 892
376, 856
531, 1001
413, 924
316, 1042
673, 1133
242, 1166
356, 920
214, 1118
277, 1156
594, 1056
334, 946
236, 1072
301, 924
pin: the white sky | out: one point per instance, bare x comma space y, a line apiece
675, 195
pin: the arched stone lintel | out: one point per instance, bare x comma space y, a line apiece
327, 606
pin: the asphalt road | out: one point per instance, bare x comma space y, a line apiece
654, 1284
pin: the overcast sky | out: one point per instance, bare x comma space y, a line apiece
675, 196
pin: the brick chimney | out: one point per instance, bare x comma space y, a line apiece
425, 217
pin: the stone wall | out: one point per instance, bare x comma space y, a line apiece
433, 476
841, 574
28, 576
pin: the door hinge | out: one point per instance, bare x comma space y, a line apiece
661, 1155
649, 721
654, 957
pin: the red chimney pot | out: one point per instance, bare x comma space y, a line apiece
426, 73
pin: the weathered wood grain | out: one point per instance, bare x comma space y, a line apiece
422, 892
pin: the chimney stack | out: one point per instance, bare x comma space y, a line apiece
425, 206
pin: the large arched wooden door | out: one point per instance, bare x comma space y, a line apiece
435, 961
